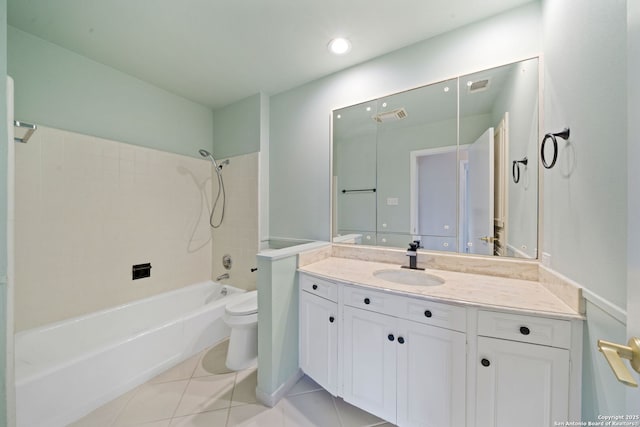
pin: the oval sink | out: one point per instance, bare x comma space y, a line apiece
409, 277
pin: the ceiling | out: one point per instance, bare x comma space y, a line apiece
216, 52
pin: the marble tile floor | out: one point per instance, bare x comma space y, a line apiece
201, 391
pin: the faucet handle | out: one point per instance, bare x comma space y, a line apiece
415, 245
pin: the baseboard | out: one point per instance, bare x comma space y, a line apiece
272, 399
606, 306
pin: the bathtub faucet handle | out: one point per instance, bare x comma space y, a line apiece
222, 276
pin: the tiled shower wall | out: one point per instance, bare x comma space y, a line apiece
238, 234
87, 209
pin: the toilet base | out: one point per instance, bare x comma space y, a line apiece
243, 348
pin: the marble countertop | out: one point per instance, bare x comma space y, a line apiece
525, 296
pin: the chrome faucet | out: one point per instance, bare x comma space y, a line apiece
412, 253
222, 276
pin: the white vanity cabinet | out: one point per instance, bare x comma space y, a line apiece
409, 372
523, 370
416, 362
318, 329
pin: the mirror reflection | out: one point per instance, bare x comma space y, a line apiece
436, 164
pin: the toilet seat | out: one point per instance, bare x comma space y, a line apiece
245, 305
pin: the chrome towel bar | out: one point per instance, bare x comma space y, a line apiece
30, 129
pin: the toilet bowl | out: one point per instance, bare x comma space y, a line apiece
242, 317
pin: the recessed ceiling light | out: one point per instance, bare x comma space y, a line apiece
384, 104
446, 88
368, 108
469, 83
339, 116
339, 46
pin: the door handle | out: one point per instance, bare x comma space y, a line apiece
614, 353
488, 239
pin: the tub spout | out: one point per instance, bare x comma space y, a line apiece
222, 276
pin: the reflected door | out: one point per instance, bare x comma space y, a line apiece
480, 195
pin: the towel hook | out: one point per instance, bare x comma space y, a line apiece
515, 169
552, 136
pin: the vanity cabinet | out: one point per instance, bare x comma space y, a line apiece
523, 370
416, 362
404, 371
318, 332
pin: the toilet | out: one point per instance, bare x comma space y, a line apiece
241, 316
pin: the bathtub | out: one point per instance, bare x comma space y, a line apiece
66, 369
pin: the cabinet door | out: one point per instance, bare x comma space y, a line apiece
319, 340
431, 376
520, 384
370, 362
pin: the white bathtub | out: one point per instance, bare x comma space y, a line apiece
67, 369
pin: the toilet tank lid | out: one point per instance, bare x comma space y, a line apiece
246, 304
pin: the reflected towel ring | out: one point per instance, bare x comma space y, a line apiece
515, 169
552, 136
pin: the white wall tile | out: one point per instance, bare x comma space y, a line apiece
238, 235
87, 209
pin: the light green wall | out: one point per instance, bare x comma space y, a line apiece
236, 128
3, 210
585, 207
601, 391
633, 179
300, 118
585, 89
58, 88
278, 320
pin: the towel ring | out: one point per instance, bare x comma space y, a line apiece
552, 136
515, 169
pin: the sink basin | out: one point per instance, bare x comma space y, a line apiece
409, 277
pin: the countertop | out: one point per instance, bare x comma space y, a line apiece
477, 290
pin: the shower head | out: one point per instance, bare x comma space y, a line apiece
208, 155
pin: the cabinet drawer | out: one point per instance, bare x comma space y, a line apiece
319, 287
372, 300
531, 329
433, 313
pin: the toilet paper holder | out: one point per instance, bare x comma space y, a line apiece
614, 353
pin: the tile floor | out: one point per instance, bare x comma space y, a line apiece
202, 392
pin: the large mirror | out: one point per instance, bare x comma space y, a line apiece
452, 164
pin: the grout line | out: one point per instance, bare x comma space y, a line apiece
233, 392
226, 422
113, 423
200, 357
173, 414
304, 392
335, 408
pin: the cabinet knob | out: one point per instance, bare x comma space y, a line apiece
428, 313
367, 301
485, 362
315, 287
390, 337
401, 340
524, 330
332, 319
